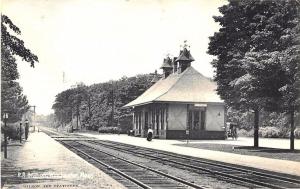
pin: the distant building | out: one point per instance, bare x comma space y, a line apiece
182, 102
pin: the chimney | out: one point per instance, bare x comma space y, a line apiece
184, 59
166, 67
155, 78
174, 63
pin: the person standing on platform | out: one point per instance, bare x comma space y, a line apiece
26, 129
149, 134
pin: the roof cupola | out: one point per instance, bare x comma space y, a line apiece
167, 67
155, 77
185, 58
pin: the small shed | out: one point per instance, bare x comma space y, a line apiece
183, 102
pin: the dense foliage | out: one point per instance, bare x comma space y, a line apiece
257, 49
269, 122
13, 100
99, 105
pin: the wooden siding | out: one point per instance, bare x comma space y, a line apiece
180, 134
170, 121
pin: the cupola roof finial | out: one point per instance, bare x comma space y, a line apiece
167, 63
185, 54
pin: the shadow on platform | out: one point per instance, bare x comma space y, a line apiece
266, 149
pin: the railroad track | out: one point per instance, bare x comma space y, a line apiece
258, 178
244, 176
142, 176
63, 136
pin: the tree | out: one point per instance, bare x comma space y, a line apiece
258, 88
14, 45
100, 105
63, 107
12, 99
248, 66
78, 96
290, 58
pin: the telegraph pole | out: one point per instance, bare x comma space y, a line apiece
20, 132
33, 116
5, 116
113, 105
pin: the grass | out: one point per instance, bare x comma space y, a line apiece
275, 153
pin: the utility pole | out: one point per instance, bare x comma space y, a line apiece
78, 90
113, 105
20, 132
77, 106
72, 119
33, 117
256, 127
292, 135
5, 116
77, 116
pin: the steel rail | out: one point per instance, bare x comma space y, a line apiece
109, 167
205, 169
263, 175
147, 168
211, 163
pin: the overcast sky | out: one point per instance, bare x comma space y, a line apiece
93, 41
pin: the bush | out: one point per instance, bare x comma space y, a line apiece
13, 130
109, 130
69, 128
245, 133
297, 133
269, 132
284, 132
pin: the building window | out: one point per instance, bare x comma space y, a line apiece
136, 120
140, 121
190, 119
162, 119
196, 124
146, 120
157, 121
153, 119
202, 113
196, 118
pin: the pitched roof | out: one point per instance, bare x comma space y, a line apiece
155, 78
167, 63
187, 87
185, 55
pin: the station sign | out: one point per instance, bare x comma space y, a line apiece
200, 105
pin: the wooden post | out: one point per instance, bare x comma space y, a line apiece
256, 127
5, 139
20, 132
292, 136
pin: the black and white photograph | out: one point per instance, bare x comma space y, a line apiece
153, 94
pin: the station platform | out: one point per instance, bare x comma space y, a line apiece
175, 146
41, 162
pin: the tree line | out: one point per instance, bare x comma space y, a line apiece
257, 53
13, 101
99, 105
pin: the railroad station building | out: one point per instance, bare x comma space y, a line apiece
182, 103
